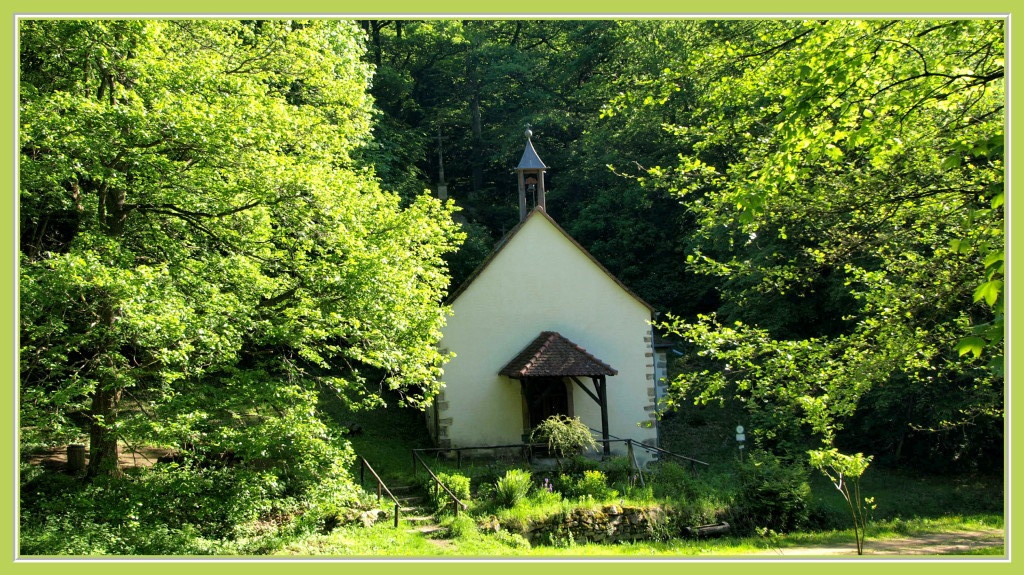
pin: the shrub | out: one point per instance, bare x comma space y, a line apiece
64, 536
670, 480
641, 493
827, 515
513, 540
489, 473
457, 483
462, 527
564, 435
512, 488
153, 511
700, 512
593, 485
619, 469
543, 497
773, 494
577, 464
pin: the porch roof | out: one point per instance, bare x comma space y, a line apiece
552, 355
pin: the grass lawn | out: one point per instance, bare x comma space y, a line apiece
384, 541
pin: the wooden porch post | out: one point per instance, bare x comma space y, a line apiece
602, 393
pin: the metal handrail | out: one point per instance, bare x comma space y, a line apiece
667, 452
456, 503
693, 462
363, 466
458, 451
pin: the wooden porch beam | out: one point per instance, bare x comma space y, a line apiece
584, 388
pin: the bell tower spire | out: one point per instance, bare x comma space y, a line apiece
531, 178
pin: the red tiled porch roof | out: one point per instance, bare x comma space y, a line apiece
551, 355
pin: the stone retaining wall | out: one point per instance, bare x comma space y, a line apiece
608, 524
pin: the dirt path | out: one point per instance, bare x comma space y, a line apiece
952, 543
57, 458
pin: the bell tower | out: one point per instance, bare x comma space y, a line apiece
531, 178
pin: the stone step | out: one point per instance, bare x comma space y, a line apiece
418, 519
404, 489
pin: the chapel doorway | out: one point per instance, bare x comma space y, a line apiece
545, 396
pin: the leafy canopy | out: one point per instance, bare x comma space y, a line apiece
200, 256
847, 179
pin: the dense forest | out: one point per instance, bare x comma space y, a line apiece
223, 221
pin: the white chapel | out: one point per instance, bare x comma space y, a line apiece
542, 328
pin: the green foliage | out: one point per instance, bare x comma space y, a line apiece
695, 499
577, 464
546, 494
817, 382
564, 435
592, 485
462, 527
457, 483
833, 179
64, 536
513, 487
773, 494
205, 254
847, 179
513, 540
163, 510
845, 471
619, 469
671, 480
472, 84
201, 258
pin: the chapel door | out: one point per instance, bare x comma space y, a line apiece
545, 396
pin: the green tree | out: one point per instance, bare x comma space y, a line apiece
845, 471
853, 171
633, 229
200, 255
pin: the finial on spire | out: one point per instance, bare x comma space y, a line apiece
529, 131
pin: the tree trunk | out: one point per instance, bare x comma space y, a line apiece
112, 211
473, 80
106, 398
104, 453
478, 169
377, 25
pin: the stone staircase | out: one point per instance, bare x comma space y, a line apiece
415, 510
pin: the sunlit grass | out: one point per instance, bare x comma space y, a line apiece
384, 541
462, 538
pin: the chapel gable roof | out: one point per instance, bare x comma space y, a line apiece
540, 213
552, 355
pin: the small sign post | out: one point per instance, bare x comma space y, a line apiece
740, 438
